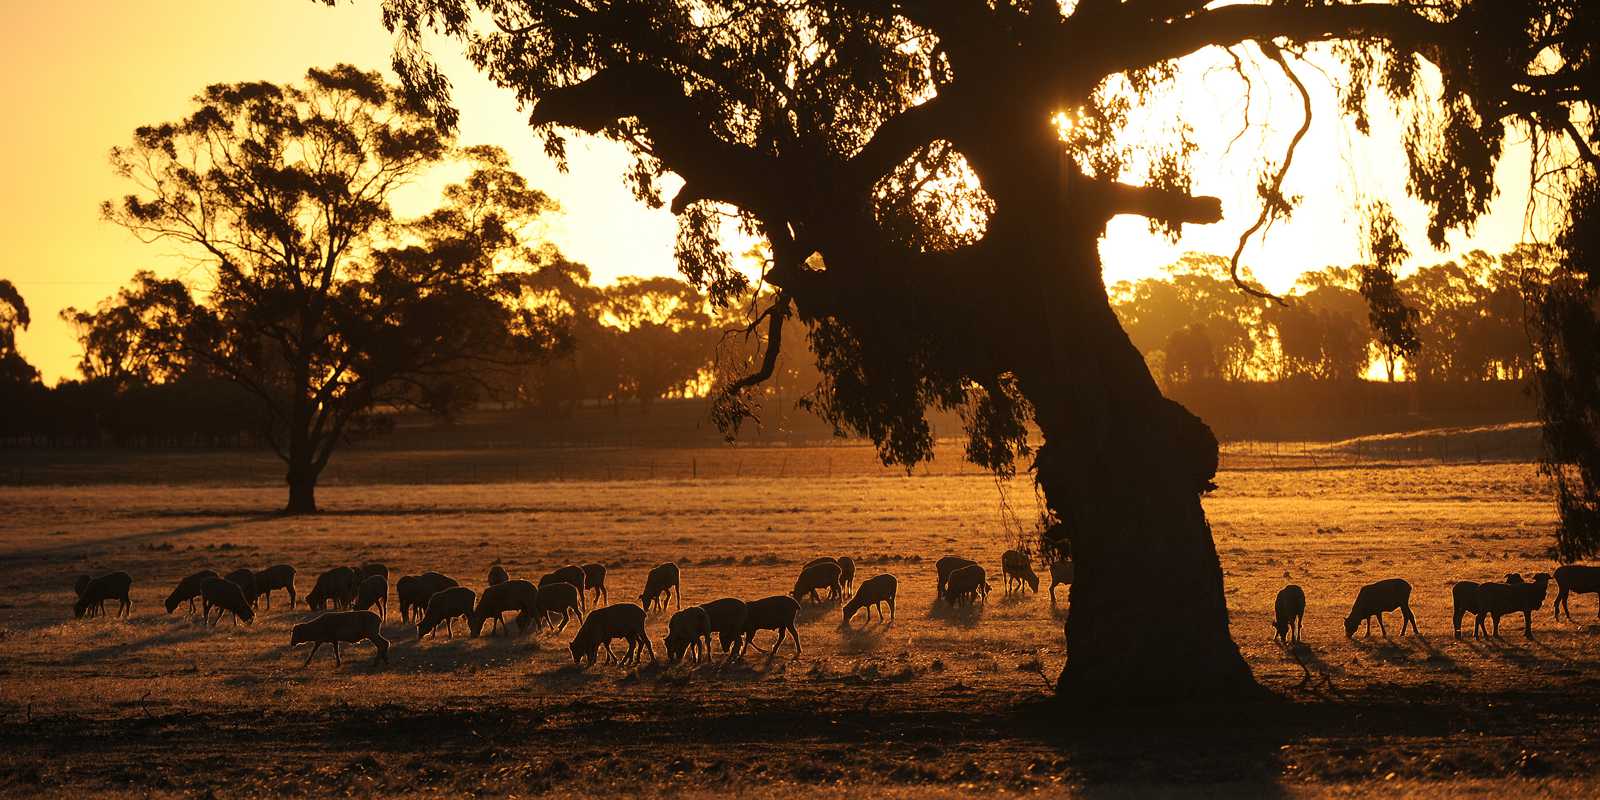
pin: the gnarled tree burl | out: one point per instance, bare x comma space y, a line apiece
841, 133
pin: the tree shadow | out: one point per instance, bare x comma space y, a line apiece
137, 538
856, 641
812, 612
962, 616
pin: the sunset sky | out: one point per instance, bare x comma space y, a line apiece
85, 73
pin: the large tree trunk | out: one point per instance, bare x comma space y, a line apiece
302, 480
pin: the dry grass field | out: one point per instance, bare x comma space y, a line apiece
937, 703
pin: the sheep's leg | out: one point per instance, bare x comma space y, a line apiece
1527, 623
794, 633
337, 661
314, 647
750, 641
1405, 611
611, 657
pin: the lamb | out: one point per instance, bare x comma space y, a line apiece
621, 621
1500, 599
1061, 574
594, 580
188, 589
1376, 598
1575, 579
570, 573
225, 596
246, 581
111, 586
819, 575
337, 586
662, 580
847, 574
873, 592
775, 613
413, 592
966, 584
1467, 598
280, 576
1288, 612
560, 598
444, 607
689, 630
341, 626
947, 565
1018, 570
497, 575
519, 595
727, 622
373, 590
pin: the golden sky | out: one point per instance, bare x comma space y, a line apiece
82, 74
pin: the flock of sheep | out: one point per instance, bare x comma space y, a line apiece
431, 600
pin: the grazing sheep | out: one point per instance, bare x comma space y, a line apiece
337, 586
594, 580
497, 575
246, 581
80, 585
659, 584
444, 607
1500, 599
280, 576
1018, 570
847, 574
571, 573
873, 591
689, 630
370, 569
560, 598
225, 596
965, 585
413, 592
1466, 598
727, 622
1575, 579
341, 626
519, 595
621, 621
820, 575
1376, 598
947, 565
111, 586
1288, 612
188, 589
775, 613
373, 590
1061, 574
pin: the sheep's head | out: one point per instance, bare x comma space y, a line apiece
80, 608
173, 601
246, 614
427, 624
1281, 628
1541, 578
579, 651
1350, 624
676, 645
297, 635
475, 623
1032, 579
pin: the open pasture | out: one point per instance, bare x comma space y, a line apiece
938, 701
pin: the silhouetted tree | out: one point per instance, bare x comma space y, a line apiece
1394, 324
321, 303
663, 336
14, 369
1197, 290
1189, 356
936, 228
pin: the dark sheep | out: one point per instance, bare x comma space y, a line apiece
336, 586
519, 595
571, 573
341, 626
225, 596
965, 585
111, 586
819, 575
1061, 574
246, 581
621, 621
947, 565
1575, 579
727, 622
659, 585
372, 568
1288, 612
1500, 599
413, 592
594, 580
847, 574
775, 613
1376, 598
373, 591
497, 575
444, 607
689, 630
560, 598
188, 589
1018, 569
1467, 598
873, 592
280, 576
80, 585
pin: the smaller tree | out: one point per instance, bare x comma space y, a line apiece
1394, 324
1189, 355
664, 335
14, 369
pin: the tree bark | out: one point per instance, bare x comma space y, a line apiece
302, 492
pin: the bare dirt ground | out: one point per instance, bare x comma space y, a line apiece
937, 703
